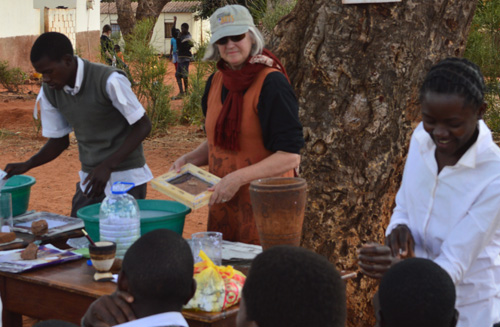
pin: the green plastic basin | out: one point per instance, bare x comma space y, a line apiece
19, 186
155, 214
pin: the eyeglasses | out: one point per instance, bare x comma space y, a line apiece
234, 38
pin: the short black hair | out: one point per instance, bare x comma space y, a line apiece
54, 323
117, 47
176, 32
294, 287
417, 292
159, 266
457, 76
185, 25
106, 28
53, 45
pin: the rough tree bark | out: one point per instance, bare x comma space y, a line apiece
356, 70
145, 9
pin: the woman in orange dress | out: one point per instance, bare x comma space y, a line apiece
252, 125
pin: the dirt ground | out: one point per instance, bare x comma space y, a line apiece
20, 138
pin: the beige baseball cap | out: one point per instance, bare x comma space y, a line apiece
229, 20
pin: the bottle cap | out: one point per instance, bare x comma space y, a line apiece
121, 187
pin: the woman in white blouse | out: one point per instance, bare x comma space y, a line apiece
448, 205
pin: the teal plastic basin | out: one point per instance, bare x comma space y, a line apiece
155, 214
19, 186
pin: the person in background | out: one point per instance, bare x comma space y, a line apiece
184, 43
120, 61
156, 280
447, 208
416, 292
97, 103
173, 48
250, 86
293, 287
107, 52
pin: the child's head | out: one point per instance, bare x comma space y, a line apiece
293, 287
117, 48
452, 102
184, 28
52, 56
417, 292
52, 45
158, 268
176, 32
54, 323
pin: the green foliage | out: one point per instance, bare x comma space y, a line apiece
191, 108
258, 9
149, 71
484, 38
11, 78
483, 48
208, 7
270, 17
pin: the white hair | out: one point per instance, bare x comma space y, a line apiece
212, 52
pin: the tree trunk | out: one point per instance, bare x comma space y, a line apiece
150, 9
356, 70
145, 9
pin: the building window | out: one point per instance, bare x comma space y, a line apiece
115, 30
168, 30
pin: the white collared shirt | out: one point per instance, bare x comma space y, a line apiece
172, 318
120, 92
454, 218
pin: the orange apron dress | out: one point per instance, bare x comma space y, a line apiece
235, 218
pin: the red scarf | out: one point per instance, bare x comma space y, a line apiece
228, 125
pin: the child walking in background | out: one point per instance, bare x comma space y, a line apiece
184, 43
448, 205
173, 48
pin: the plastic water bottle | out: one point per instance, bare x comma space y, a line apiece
119, 218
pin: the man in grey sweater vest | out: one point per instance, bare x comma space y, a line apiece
97, 103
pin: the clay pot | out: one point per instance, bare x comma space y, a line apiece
278, 205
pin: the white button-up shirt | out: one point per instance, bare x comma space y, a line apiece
454, 218
160, 320
118, 87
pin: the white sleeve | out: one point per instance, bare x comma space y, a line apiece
400, 213
123, 98
469, 238
54, 125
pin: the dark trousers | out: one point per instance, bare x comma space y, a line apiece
80, 200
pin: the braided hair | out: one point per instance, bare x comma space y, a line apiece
457, 76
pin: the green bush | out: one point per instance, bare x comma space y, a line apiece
148, 72
483, 48
11, 78
191, 108
269, 18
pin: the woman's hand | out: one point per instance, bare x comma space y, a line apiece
225, 189
375, 259
177, 165
401, 242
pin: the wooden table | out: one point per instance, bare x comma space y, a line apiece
65, 292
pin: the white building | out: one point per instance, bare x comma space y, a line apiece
185, 12
22, 21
